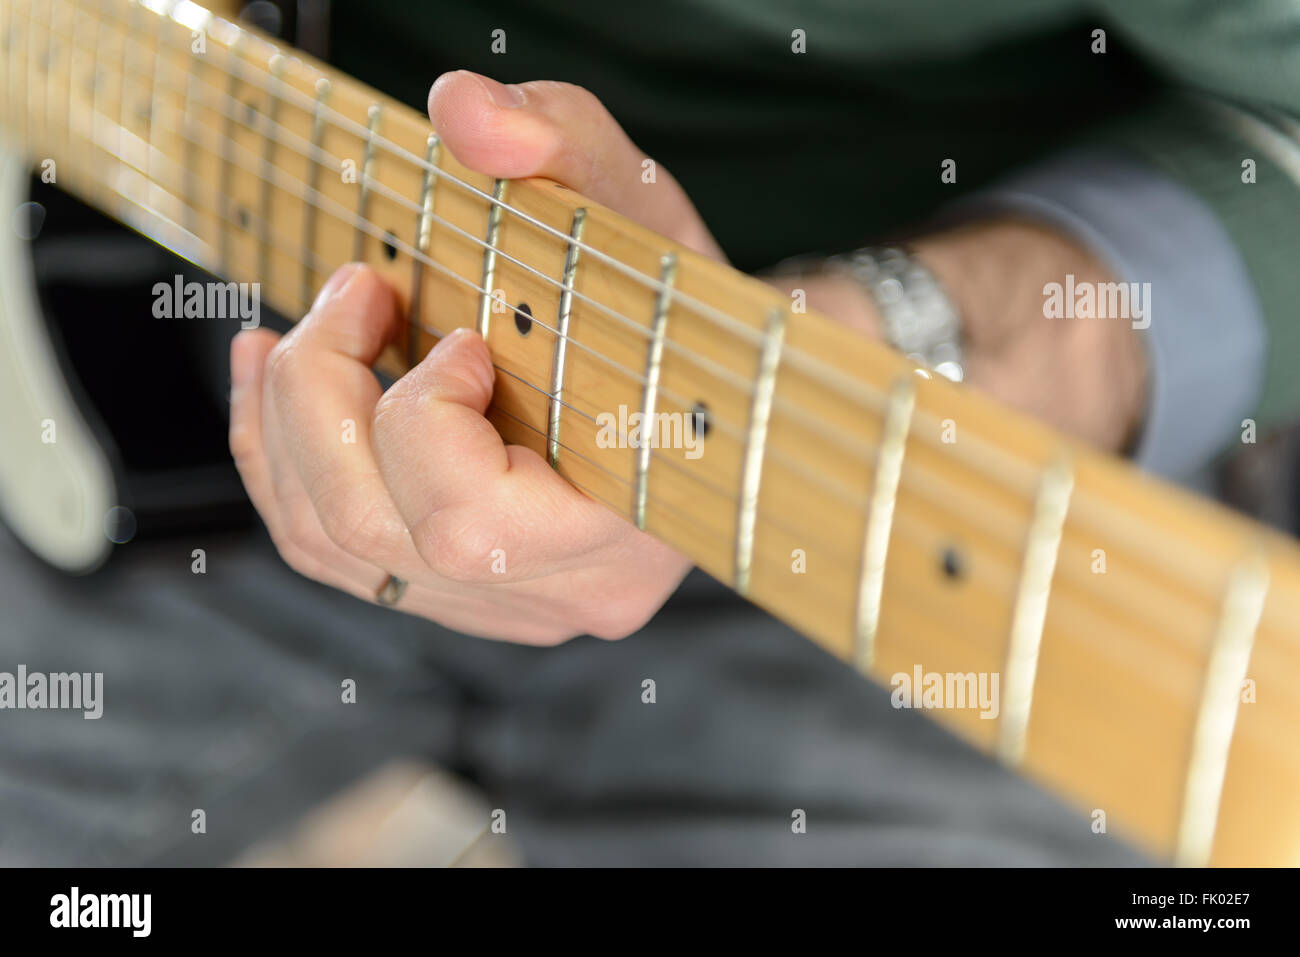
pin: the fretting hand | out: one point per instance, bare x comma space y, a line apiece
429, 492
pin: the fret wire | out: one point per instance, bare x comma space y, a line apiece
703, 362
880, 517
854, 389
423, 235
30, 88
568, 449
323, 203
313, 184
562, 339
33, 66
132, 30
188, 148
796, 358
842, 493
50, 61
25, 97
345, 215
156, 86
1042, 547
188, 176
654, 363
490, 259
536, 388
1229, 658
12, 86
373, 115
227, 168
324, 268
276, 64
755, 447
95, 82
662, 504
71, 64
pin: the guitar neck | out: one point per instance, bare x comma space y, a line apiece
909, 526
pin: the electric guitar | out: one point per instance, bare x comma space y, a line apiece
1146, 642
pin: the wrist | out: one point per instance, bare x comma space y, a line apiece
1086, 376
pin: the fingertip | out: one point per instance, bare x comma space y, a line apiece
462, 355
356, 313
481, 123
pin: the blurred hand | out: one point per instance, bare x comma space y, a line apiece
428, 491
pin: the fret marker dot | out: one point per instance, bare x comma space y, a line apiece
952, 563
700, 416
250, 114
242, 215
524, 319
390, 246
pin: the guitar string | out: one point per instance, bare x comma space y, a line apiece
813, 366
859, 450
490, 200
53, 33
994, 529
1007, 463
768, 519
506, 411
286, 247
253, 168
1069, 628
716, 370
580, 412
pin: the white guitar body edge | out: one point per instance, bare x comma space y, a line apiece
54, 495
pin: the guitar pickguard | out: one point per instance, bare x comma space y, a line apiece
56, 484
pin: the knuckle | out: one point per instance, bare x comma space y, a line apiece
352, 518
301, 529
578, 96
457, 549
282, 366
392, 412
300, 560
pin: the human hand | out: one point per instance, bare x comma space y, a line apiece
490, 539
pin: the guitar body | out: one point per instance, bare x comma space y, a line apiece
56, 483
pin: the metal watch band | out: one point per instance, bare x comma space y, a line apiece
918, 317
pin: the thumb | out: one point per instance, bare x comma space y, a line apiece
561, 132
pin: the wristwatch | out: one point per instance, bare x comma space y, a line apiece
917, 316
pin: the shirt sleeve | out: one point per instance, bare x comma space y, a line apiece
1205, 333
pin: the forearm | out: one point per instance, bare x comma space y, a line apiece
1084, 376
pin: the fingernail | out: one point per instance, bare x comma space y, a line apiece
507, 95
334, 285
457, 339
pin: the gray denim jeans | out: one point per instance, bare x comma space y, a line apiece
221, 691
